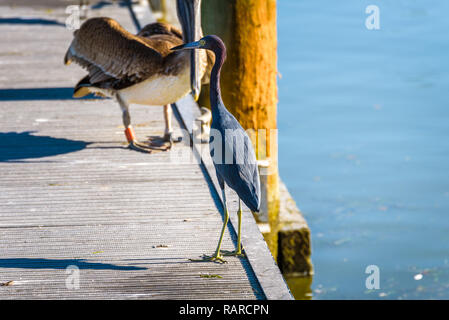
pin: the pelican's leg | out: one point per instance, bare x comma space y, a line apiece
168, 134
239, 251
129, 131
217, 257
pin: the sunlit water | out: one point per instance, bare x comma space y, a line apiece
364, 142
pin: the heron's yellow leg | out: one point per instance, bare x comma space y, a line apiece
237, 252
217, 255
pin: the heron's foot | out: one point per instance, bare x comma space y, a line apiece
218, 258
146, 147
236, 253
168, 137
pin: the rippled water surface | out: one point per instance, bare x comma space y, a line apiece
364, 142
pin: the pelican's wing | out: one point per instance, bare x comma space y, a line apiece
236, 161
107, 50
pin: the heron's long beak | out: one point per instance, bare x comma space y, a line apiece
189, 14
191, 45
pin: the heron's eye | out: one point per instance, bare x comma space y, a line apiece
202, 42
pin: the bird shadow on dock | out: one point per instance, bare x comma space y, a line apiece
28, 21
23, 94
17, 146
40, 263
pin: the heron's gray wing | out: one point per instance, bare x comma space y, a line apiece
238, 165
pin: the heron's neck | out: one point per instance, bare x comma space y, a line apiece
215, 92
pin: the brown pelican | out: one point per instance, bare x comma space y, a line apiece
141, 68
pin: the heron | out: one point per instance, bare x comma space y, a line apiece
235, 166
140, 68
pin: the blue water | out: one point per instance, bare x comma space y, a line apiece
364, 142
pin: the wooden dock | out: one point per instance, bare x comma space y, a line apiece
82, 216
